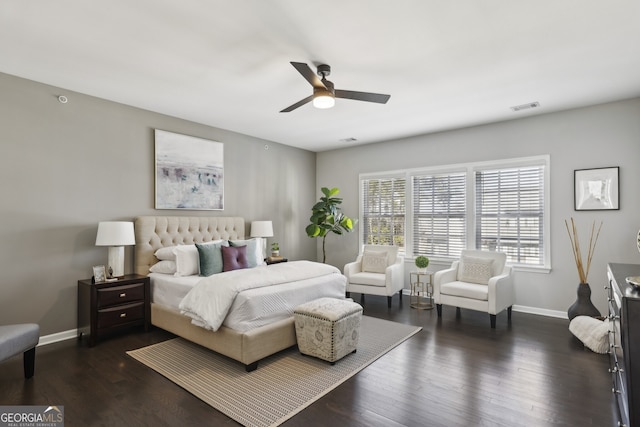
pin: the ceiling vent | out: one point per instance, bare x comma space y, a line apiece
348, 140
526, 106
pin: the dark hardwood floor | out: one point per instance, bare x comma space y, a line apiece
455, 372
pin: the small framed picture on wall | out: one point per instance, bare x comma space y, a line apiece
596, 189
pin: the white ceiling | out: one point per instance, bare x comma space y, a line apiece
446, 64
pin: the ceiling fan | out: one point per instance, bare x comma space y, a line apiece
324, 93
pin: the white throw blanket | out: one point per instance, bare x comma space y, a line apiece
209, 301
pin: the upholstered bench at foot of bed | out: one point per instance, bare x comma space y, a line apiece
21, 338
328, 328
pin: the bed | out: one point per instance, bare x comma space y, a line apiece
267, 331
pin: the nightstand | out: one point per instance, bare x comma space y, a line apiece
104, 308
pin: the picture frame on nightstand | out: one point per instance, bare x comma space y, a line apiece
99, 274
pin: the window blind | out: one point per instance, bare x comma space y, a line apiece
439, 214
383, 211
510, 213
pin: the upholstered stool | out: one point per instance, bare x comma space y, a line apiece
328, 328
21, 338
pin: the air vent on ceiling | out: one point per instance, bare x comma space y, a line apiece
526, 106
348, 140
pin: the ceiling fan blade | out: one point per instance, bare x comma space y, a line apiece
297, 104
308, 74
362, 96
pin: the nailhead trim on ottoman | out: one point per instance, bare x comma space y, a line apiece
328, 328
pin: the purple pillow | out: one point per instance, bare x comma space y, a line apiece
234, 257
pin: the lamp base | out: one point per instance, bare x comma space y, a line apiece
116, 260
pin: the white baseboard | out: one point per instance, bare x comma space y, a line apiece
58, 336
541, 311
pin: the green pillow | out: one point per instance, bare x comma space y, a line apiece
210, 257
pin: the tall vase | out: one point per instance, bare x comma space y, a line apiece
583, 305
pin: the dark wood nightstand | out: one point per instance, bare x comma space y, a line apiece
108, 307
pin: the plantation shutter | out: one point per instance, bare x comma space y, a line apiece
510, 213
383, 211
439, 215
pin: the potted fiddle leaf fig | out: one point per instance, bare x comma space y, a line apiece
326, 218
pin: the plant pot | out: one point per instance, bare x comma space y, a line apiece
275, 253
583, 305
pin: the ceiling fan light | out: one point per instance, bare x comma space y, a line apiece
323, 100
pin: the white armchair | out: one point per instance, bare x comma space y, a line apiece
379, 270
480, 281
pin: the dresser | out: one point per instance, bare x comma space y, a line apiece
104, 308
624, 342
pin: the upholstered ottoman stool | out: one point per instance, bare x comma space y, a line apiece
328, 328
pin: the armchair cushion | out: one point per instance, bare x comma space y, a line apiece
466, 290
368, 279
475, 270
374, 262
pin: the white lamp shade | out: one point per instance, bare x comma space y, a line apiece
261, 229
115, 233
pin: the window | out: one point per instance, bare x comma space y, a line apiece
510, 213
439, 214
499, 205
383, 211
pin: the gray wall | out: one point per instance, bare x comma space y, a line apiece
599, 136
65, 167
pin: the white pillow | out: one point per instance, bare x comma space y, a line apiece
166, 254
187, 260
592, 332
164, 267
254, 251
475, 270
374, 261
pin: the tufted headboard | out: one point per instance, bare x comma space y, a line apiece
155, 232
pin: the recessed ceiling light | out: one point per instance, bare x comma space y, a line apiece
526, 106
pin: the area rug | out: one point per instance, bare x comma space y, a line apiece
283, 385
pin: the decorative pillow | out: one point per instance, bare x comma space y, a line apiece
234, 257
210, 257
475, 270
187, 260
254, 251
164, 267
166, 253
592, 332
374, 261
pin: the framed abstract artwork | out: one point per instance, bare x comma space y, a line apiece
189, 172
596, 189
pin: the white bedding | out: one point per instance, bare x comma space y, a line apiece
254, 307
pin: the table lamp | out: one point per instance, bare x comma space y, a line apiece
262, 229
116, 235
